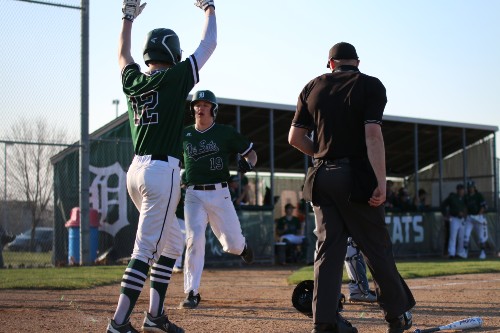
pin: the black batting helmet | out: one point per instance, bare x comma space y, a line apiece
302, 297
162, 45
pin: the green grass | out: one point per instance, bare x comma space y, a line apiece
60, 278
418, 269
27, 259
92, 276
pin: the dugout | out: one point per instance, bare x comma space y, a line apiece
435, 155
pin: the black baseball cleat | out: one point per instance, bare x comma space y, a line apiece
247, 254
191, 301
124, 328
400, 324
369, 297
159, 324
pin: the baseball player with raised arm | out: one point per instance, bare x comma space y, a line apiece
156, 101
207, 147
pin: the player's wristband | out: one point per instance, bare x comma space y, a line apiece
128, 17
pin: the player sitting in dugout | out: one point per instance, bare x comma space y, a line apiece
290, 230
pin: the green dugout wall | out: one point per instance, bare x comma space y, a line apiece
110, 154
416, 235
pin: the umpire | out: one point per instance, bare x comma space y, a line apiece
347, 187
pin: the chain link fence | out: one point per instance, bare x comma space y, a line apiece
41, 75
39, 155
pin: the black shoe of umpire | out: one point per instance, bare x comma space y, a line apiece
342, 326
247, 254
400, 324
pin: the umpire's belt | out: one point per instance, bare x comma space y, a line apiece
211, 187
343, 160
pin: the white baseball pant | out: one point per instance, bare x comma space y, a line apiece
480, 226
200, 208
292, 239
456, 233
182, 226
154, 188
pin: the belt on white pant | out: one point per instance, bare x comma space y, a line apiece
208, 187
156, 157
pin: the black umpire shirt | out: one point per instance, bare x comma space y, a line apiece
336, 106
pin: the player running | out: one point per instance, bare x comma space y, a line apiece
156, 101
207, 147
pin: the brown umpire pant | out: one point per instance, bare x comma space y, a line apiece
336, 219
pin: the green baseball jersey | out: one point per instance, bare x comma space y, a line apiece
207, 153
156, 105
285, 226
474, 203
455, 204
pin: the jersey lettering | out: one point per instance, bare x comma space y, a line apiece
144, 108
216, 163
203, 149
207, 154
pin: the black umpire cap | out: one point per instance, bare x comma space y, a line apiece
342, 50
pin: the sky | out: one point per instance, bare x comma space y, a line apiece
438, 59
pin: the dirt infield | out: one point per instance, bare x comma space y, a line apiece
248, 299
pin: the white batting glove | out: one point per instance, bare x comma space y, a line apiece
204, 4
131, 9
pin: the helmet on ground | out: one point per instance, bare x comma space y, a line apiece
162, 45
205, 95
302, 297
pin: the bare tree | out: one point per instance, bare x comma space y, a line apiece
30, 168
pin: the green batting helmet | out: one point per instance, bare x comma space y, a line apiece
162, 45
205, 95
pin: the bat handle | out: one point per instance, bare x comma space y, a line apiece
428, 330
